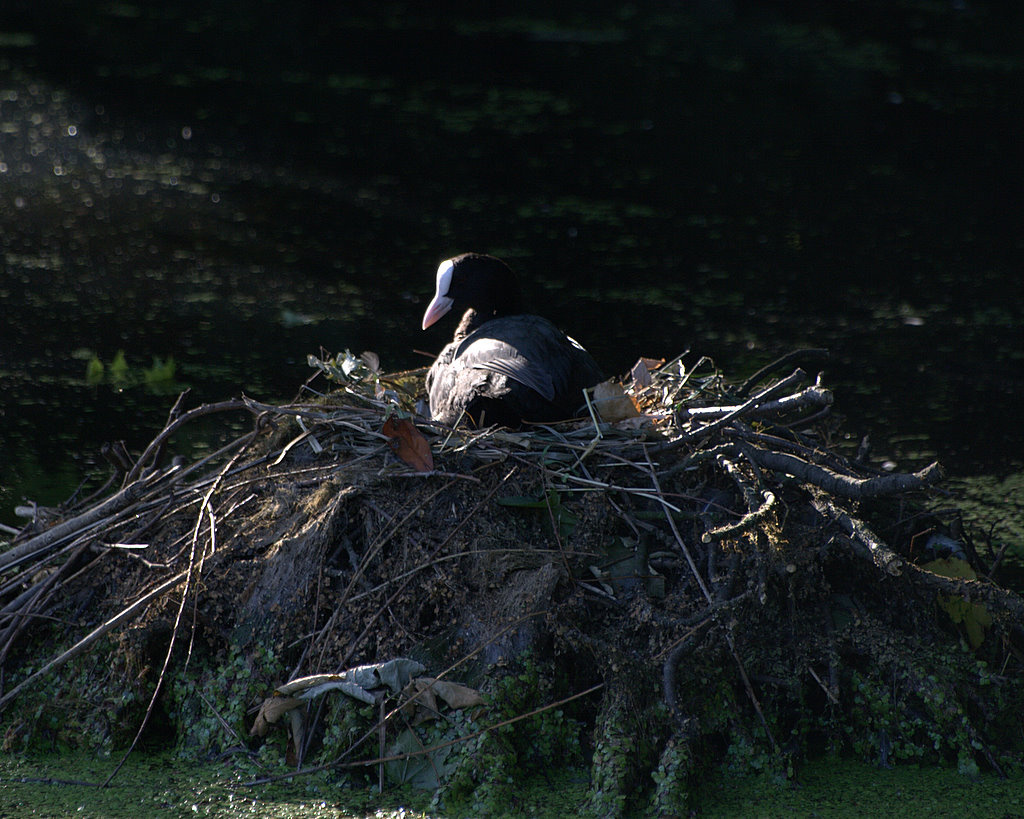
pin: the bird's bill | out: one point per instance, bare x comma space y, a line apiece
437, 308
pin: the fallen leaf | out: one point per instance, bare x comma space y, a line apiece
612, 403
409, 444
270, 712
359, 683
456, 695
423, 693
641, 371
974, 616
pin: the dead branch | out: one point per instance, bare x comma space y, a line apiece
158, 442
123, 616
813, 396
744, 524
844, 485
735, 412
40, 544
862, 537
815, 355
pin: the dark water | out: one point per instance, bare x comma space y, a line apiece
238, 185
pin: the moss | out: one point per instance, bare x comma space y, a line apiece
630, 727
672, 781
490, 769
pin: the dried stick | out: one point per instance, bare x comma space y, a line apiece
862, 537
844, 485
679, 538
811, 354
868, 545
792, 380
195, 568
22, 607
814, 396
813, 454
748, 521
174, 426
707, 595
121, 617
35, 546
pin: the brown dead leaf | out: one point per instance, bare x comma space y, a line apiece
423, 693
612, 403
270, 712
409, 444
641, 371
457, 696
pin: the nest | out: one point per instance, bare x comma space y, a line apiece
704, 576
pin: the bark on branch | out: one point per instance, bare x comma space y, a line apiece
845, 486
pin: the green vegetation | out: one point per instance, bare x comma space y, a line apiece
161, 785
844, 788
119, 374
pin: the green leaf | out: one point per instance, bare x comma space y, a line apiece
119, 368
551, 505
161, 371
419, 771
974, 616
94, 371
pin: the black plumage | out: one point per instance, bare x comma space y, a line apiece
504, 366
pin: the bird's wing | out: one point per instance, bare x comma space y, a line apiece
519, 369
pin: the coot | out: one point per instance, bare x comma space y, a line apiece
504, 366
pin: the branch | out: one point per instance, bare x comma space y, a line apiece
93, 636
807, 355
814, 396
870, 546
844, 485
748, 521
866, 542
173, 426
733, 412
41, 542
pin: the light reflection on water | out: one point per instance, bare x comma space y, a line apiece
659, 195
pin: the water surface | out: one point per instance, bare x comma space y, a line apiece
235, 188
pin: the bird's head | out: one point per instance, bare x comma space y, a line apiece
477, 282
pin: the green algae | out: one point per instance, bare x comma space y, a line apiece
845, 788
69, 785
162, 785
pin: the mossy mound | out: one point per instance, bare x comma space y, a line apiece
709, 580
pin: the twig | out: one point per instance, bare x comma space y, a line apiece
844, 485
869, 545
813, 396
679, 538
121, 617
828, 691
195, 566
810, 354
747, 522
687, 437
174, 426
39, 544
